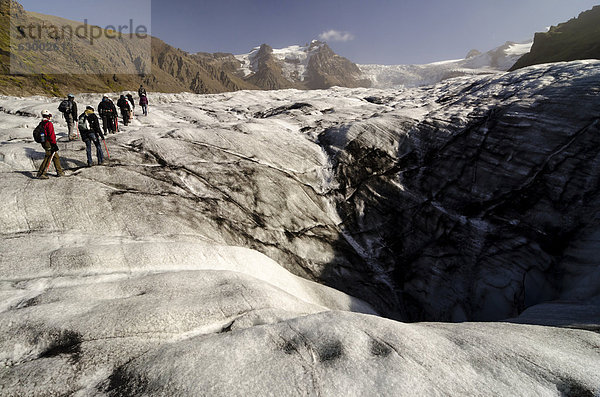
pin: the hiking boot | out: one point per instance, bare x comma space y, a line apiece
43, 177
61, 174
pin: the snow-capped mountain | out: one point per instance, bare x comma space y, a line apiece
497, 60
294, 60
315, 65
311, 66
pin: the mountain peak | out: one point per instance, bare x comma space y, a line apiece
313, 65
473, 53
317, 43
264, 50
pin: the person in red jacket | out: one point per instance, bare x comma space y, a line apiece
50, 147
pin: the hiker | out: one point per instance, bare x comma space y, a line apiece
108, 112
50, 146
68, 108
125, 107
89, 127
132, 103
141, 91
144, 104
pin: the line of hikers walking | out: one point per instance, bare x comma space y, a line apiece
88, 126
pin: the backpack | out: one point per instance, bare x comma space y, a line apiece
39, 133
123, 103
65, 106
106, 108
83, 123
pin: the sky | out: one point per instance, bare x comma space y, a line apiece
364, 31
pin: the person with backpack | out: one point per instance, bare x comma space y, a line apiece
44, 134
68, 108
125, 107
108, 113
144, 104
89, 128
141, 91
132, 103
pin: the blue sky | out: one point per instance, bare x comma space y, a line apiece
365, 31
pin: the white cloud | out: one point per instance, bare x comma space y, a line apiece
336, 35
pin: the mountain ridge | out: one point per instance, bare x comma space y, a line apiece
311, 66
576, 39
172, 70
499, 59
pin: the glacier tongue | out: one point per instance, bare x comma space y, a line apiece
497, 60
189, 265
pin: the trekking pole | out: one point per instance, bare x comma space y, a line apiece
106, 147
50, 162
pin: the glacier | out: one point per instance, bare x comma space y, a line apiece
498, 60
437, 240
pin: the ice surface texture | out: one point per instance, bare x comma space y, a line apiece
174, 269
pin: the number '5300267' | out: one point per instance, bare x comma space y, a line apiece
40, 47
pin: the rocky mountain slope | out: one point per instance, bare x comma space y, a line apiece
267, 71
313, 66
576, 39
78, 67
497, 60
171, 70
174, 269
